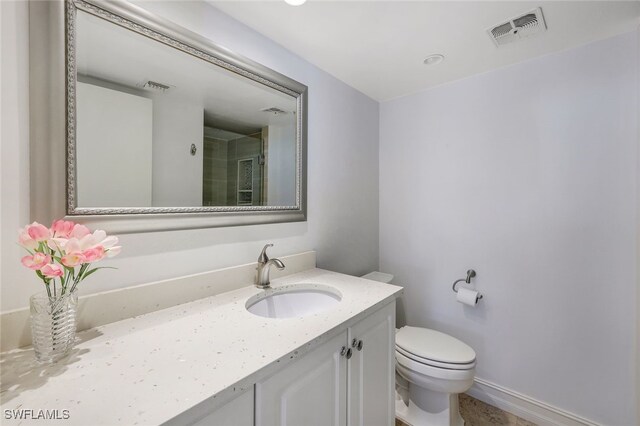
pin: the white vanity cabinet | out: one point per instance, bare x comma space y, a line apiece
341, 382
371, 370
310, 392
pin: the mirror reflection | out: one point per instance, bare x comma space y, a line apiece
157, 127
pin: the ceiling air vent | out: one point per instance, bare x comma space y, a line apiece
154, 85
517, 28
274, 110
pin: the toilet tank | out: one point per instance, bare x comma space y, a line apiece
379, 276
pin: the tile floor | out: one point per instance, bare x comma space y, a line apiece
477, 413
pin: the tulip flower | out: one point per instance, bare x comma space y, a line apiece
80, 231
57, 244
93, 254
72, 260
38, 232
62, 228
25, 240
37, 261
52, 270
64, 251
114, 251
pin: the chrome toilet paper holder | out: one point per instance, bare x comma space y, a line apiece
470, 274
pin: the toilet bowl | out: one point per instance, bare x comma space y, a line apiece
432, 368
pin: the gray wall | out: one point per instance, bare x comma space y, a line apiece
281, 158
527, 174
177, 175
214, 177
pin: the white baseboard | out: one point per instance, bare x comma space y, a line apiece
110, 306
524, 406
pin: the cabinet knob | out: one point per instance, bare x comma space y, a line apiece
343, 351
349, 353
355, 343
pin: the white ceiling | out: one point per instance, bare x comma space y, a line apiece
378, 46
113, 54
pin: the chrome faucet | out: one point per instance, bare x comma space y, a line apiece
264, 263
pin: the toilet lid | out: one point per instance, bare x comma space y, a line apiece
430, 362
434, 345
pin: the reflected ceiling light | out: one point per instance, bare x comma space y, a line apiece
434, 59
295, 2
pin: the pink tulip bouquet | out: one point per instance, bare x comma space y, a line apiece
64, 252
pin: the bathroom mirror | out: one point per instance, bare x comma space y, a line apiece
167, 130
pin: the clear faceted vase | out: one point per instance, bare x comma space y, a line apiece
53, 325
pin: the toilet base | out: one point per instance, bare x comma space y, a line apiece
423, 407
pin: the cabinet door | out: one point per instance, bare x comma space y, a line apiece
309, 392
238, 412
371, 377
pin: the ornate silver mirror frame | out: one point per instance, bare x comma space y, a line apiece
53, 121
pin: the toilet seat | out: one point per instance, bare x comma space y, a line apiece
434, 348
433, 363
434, 372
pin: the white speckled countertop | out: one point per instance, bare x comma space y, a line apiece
151, 368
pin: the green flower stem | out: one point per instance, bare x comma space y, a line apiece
79, 277
68, 276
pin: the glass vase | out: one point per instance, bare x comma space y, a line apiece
53, 325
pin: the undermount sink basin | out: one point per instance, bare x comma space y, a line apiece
296, 300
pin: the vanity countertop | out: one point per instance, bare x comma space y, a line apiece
151, 368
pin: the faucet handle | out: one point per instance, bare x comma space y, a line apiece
263, 258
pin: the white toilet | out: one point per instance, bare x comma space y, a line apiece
432, 368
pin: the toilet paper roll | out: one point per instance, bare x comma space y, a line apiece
468, 297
